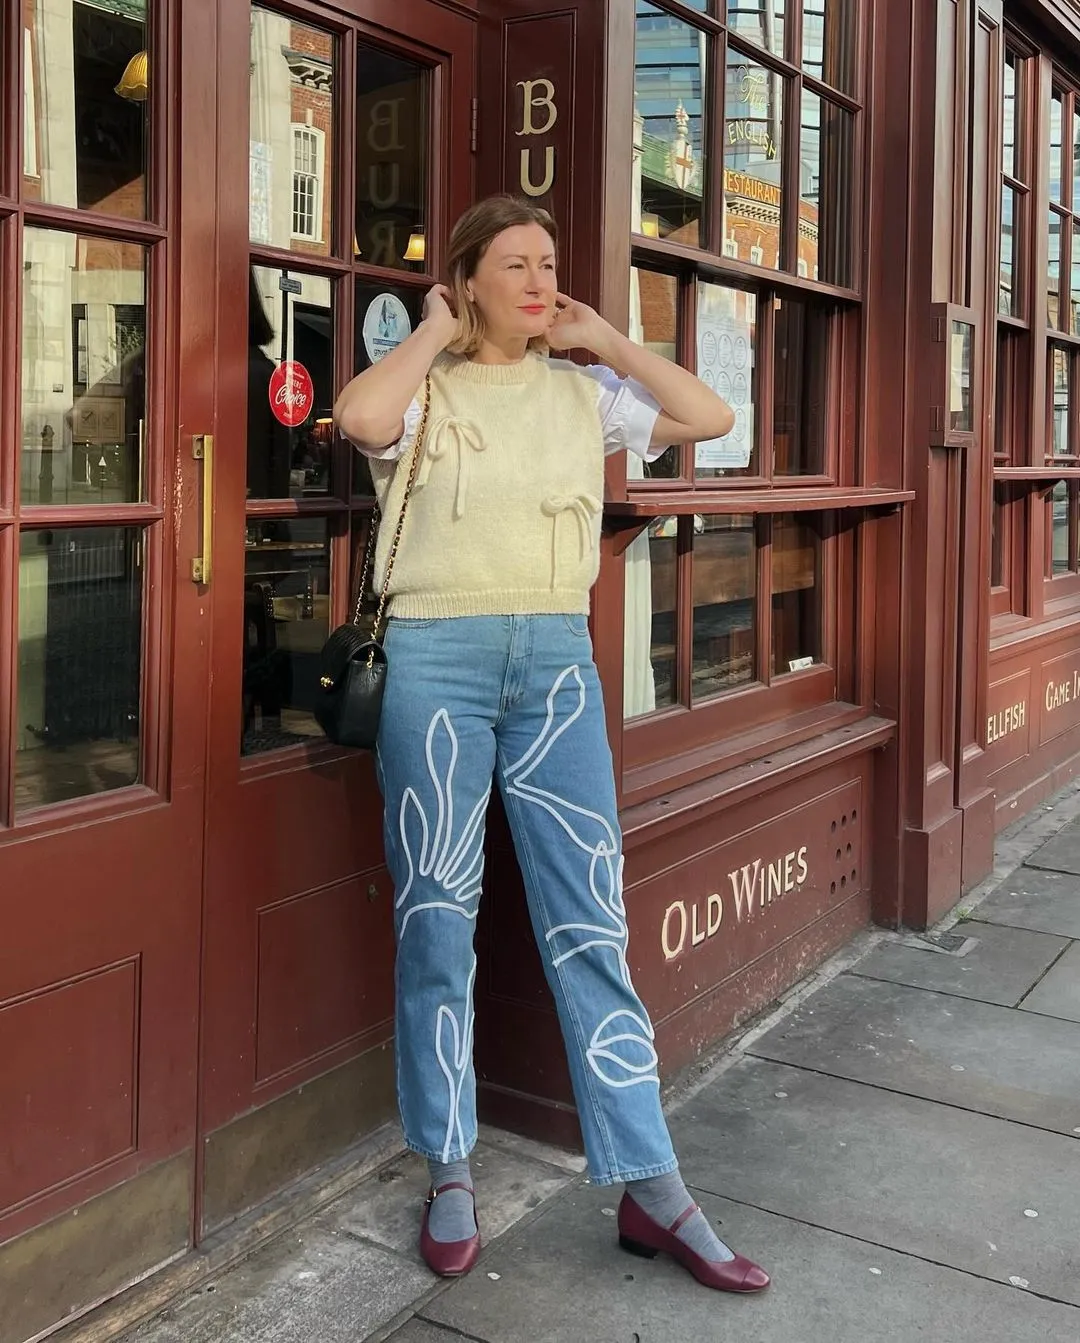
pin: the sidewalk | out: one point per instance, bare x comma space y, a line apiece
899, 1144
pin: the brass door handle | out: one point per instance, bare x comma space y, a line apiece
202, 450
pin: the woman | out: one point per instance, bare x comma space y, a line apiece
492, 679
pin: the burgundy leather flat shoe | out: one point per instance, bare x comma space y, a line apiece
452, 1258
639, 1234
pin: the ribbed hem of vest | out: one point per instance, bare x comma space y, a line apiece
494, 602
494, 375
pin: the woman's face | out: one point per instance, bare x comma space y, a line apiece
514, 285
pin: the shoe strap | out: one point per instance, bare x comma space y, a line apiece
444, 1188
683, 1218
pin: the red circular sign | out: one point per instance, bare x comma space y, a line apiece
292, 395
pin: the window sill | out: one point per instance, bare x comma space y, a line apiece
1022, 473
650, 504
644, 822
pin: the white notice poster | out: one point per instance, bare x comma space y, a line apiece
726, 364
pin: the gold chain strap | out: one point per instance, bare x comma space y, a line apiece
418, 451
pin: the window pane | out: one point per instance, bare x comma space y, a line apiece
800, 387
1076, 163
796, 593
1009, 163
727, 362
1074, 281
286, 623
1053, 272
826, 170
392, 131
829, 41
961, 349
291, 144
1008, 298
759, 21
83, 369
290, 384
1056, 133
1059, 388
84, 106
80, 647
654, 302
997, 540
724, 587
753, 128
385, 315
1059, 529
668, 175
651, 586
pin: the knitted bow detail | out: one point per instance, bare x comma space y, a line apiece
584, 507
451, 434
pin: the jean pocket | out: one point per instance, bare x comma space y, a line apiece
409, 623
578, 625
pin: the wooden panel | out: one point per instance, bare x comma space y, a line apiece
1009, 712
69, 1094
326, 971
1059, 695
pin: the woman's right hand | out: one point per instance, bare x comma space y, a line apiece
438, 316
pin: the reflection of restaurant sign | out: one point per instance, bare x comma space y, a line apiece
752, 188
751, 133
389, 189
292, 395
386, 325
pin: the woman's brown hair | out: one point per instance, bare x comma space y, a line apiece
473, 234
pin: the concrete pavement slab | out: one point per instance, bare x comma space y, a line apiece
421, 1331
1058, 993
314, 1284
1046, 902
1004, 965
563, 1280
1060, 854
921, 1178
387, 1210
977, 1055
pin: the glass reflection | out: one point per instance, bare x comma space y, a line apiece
668, 175
1010, 104
80, 647
1008, 299
828, 42
800, 387
1053, 271
385, 315
826, 172
724, 588
654, 303
753, 130
1059, 530
727, 362
291, 140
1074, 280
1056, 134
758, 21
796, 593
83, 369
650, 631
84, 105
1059, 385
392, 166
290, 384
286, 623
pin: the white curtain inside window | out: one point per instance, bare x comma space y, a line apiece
639, 688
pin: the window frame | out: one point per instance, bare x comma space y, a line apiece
300, 131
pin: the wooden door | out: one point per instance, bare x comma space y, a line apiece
349, 150
105, 213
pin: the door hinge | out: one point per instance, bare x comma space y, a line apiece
474, 120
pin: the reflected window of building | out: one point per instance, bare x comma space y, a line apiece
392, 172
290, 384
669, 163
86, 89
83, 370
761, 22
291, 137
80, 663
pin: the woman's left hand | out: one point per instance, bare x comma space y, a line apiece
576, 326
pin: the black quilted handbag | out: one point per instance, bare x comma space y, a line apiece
353, 667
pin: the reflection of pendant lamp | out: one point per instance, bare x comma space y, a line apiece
650, 225
135, 79
416, 250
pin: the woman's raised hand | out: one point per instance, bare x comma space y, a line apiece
576, 326
438, 315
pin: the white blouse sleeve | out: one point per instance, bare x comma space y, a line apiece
393, 451
628, 413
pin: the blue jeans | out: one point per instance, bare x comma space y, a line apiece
515, 700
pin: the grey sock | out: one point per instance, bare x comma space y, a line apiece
452, 1216
665, 1198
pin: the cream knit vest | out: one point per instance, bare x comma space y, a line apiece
504, 518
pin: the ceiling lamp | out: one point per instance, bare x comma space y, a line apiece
134, 82
416, 250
